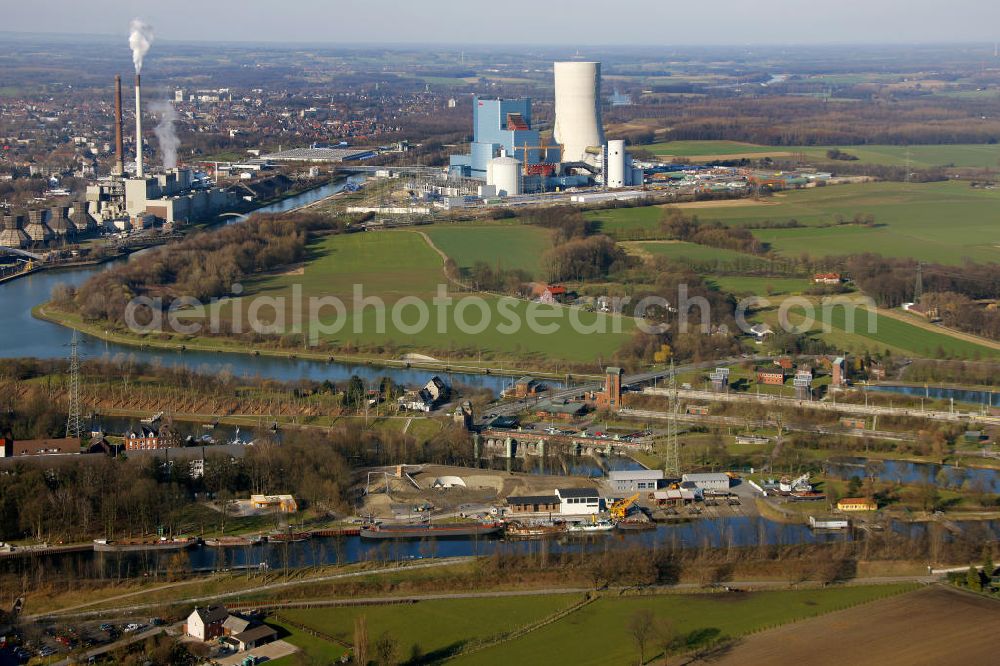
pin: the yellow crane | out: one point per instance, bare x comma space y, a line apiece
620, 508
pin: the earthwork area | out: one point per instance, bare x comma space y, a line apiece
934, 625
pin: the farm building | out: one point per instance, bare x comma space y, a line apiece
857, 504
632, 480
708, 480
533, 504
578, 501
254, 637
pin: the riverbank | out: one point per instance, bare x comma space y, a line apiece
48, 313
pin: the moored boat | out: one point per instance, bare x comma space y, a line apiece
534, 531
594, 527
634, 524
235, 541
128, 545
420, 531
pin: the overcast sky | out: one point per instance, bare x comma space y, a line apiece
581, 22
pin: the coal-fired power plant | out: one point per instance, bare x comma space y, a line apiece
138, 129
119, 139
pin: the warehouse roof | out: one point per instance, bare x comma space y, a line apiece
577, 492
635, 474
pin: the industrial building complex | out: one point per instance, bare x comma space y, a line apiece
509, 153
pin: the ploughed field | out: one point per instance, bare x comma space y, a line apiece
934, 625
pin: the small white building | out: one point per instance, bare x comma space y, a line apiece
578, 501
625, 481
708, 481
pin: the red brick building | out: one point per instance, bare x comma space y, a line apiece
611, 396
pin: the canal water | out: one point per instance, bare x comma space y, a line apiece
910, 473
967, 396
24, 336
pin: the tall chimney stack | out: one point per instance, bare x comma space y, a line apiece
119, 147
138, 131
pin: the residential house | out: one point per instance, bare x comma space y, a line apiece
827, 278
6, 447
143, 439
427, 398
206, 623
760, 332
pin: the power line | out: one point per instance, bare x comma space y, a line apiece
74, 426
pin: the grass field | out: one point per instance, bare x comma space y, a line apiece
696, 149
698, 255
934, 625
897, 336
399, 265
429, 627
598, 634
517, 246
940, 222
759, 286
918, 157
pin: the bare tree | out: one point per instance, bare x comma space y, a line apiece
640, 627
664, 635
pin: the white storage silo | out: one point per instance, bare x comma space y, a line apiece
614, 165
578, 110
504, 173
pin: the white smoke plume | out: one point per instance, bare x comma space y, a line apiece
140, 38
165, 134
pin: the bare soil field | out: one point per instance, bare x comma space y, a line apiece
933, 625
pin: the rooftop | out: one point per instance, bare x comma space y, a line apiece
577, 492
635, 474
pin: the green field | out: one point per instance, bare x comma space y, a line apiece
700, 255
430, 627
898, 336
517, 246
759, 286
398, 265
430, 631
695, 149
598, 634
937, 222
918, 157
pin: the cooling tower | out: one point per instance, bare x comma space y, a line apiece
578, 111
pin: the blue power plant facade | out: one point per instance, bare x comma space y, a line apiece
502, 124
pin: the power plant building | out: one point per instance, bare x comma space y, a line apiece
504, 126
505, 141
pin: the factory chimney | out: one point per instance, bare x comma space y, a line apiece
119, 148
138, 131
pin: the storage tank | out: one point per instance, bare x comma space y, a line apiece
638, 177
614, 165
504, 173
578, 110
